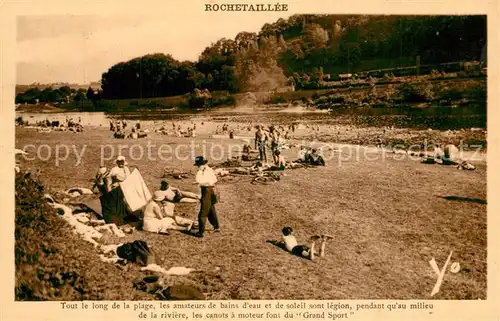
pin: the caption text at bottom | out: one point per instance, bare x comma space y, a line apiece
247, 310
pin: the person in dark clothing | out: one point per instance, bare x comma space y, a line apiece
314, 158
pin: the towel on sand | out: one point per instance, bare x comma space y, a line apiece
135, 191
177, 270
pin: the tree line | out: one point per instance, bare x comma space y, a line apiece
300, 51
63, 95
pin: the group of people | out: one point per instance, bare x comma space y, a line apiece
117, 125
222, 129
158, 215
56, 125
177, 130
119, 130
262, 137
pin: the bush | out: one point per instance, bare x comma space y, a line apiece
276, 99
415, 92
205, 99
476, 92
450, 94
228, 100
199, 98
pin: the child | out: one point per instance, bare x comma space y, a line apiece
303, 250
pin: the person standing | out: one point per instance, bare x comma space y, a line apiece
205, 177
260, 143
275, 142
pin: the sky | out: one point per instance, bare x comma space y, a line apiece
79, 48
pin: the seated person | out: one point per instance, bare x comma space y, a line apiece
314, 158
438, 152
303, 154
246, 152
280, 162
175, 195
119, 134
156, 219
303, 250
133, 134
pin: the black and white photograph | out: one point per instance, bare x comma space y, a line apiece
264, 155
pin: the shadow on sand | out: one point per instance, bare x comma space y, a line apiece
464, 199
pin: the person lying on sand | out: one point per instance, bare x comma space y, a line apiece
258, 167
157, 220
303, 250
175, 195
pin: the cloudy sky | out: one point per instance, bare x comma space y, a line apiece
78, 48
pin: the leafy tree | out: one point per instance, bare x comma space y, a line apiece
90, 94
316, 36
65, 91
297, 47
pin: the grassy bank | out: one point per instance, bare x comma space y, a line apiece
388, 217
52, 263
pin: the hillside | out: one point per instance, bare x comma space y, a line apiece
311, 47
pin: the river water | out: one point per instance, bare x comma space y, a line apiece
240, 113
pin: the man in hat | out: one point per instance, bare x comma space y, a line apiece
205, 177
120, 172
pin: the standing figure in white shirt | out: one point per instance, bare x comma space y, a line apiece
205, 177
